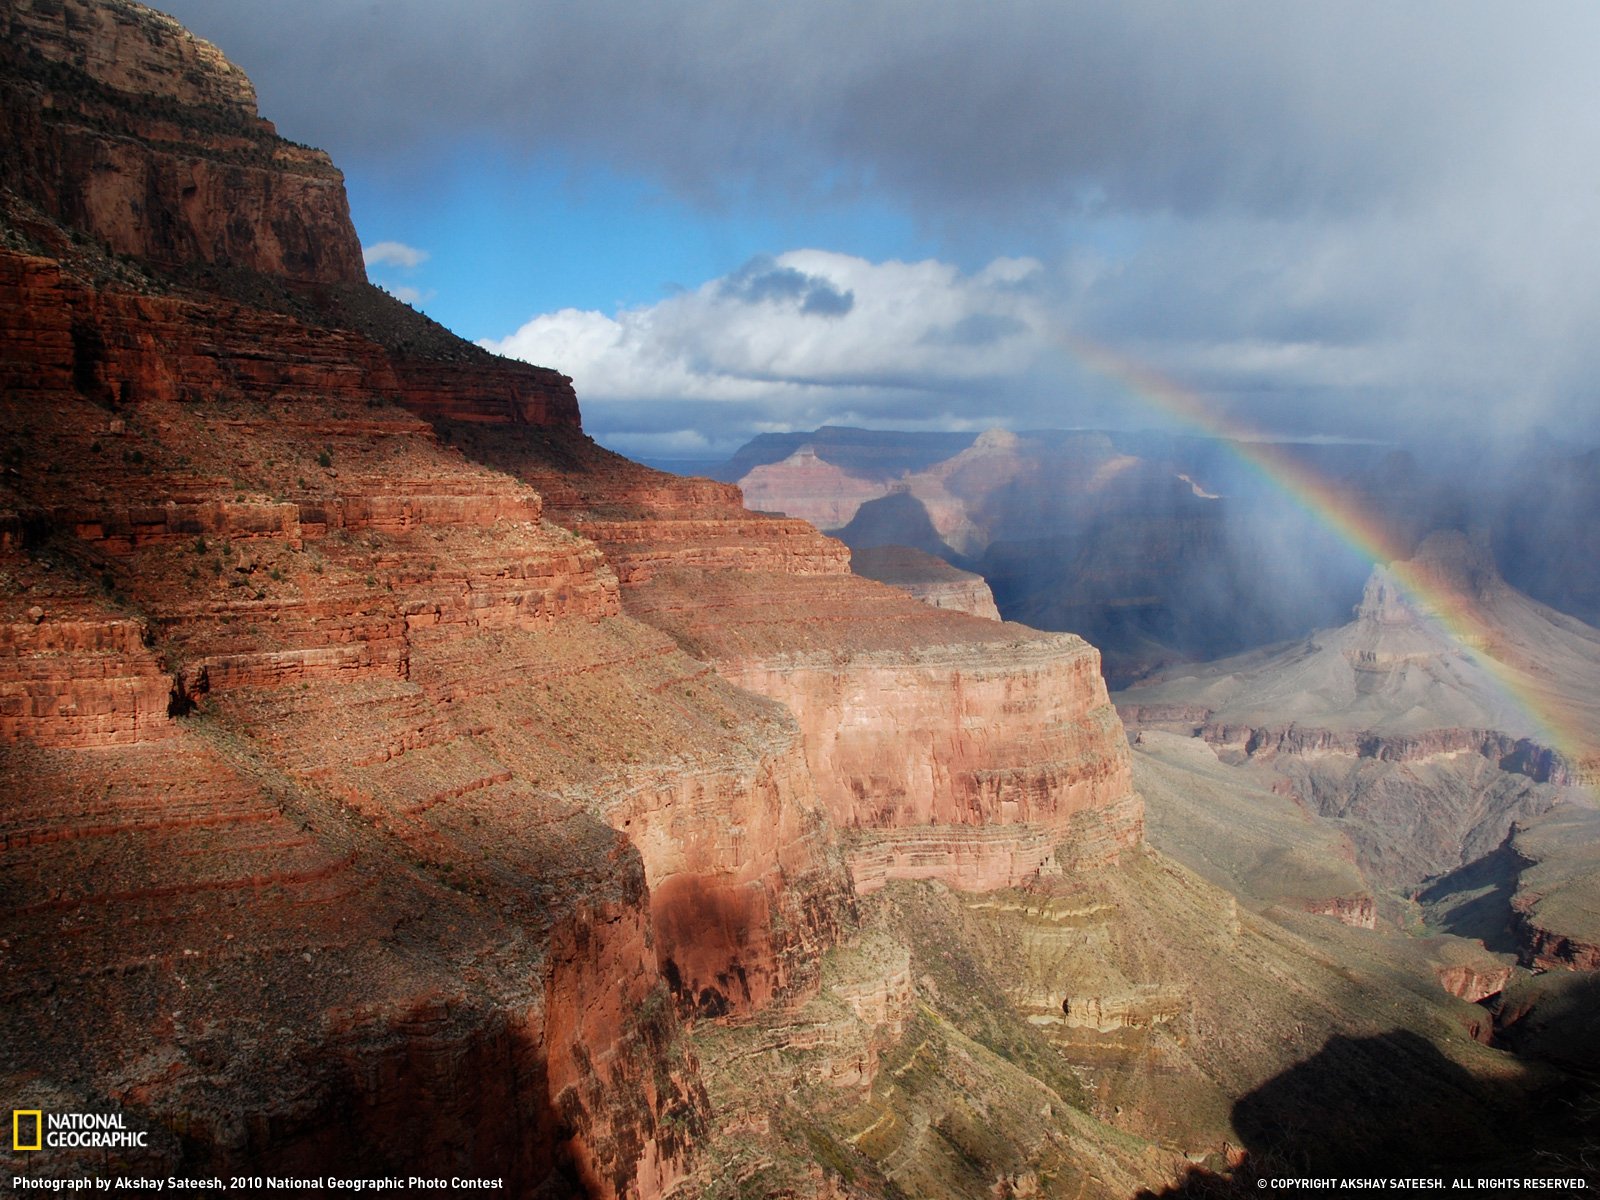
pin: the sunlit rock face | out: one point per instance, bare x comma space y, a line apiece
187, 173
805, 486
962, 764
1447, 729
943, 746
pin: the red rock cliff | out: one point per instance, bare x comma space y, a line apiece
123, 125
400, 667
384, 839
947, 747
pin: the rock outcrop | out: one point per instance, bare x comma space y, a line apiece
1555, 908
947, 747
144, 137
1245, 834
1449, 709
1450, 660
59, 336
968, 764
805, 486
369, 629
1472, 982
82, 680
1129, 540
929, 579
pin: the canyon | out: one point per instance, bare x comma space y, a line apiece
400, 782
1459, 766
1155, 550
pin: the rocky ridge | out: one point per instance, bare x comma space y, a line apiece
947, 747
146, 138
1156, 550
805, 486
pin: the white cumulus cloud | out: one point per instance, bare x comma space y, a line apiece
393, 254
410, 295
807, 321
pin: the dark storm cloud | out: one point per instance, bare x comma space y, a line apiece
826, 302
1148, 104
761, 280
1390, 203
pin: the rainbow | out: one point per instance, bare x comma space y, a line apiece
1340, 511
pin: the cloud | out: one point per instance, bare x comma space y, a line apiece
763, 281
410, 295
834, 327
1345, 342
1046, 105
393, 254
975, 329
1338, 213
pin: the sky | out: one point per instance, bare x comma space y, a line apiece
1331, 217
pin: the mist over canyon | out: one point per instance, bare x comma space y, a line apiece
1164, 548
398, 782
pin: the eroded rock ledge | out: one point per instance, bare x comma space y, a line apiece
948, 747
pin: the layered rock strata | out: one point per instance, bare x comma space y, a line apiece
118, 348
1257, 842
398, 638
185, 173
1447, 711
929, 579
1555, 907
299, 707
805, 486
1407, 679
949, 748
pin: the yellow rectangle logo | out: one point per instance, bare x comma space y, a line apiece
16, 1128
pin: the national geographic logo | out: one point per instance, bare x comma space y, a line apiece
23, 1120
33, 1129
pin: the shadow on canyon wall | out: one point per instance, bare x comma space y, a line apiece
1391, 1106
1474, 901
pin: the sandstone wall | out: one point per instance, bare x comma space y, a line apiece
746, 890
984, 756
945, 747
928, 579
115, 348
403, 668
1522, 755
121, 124
80, 681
